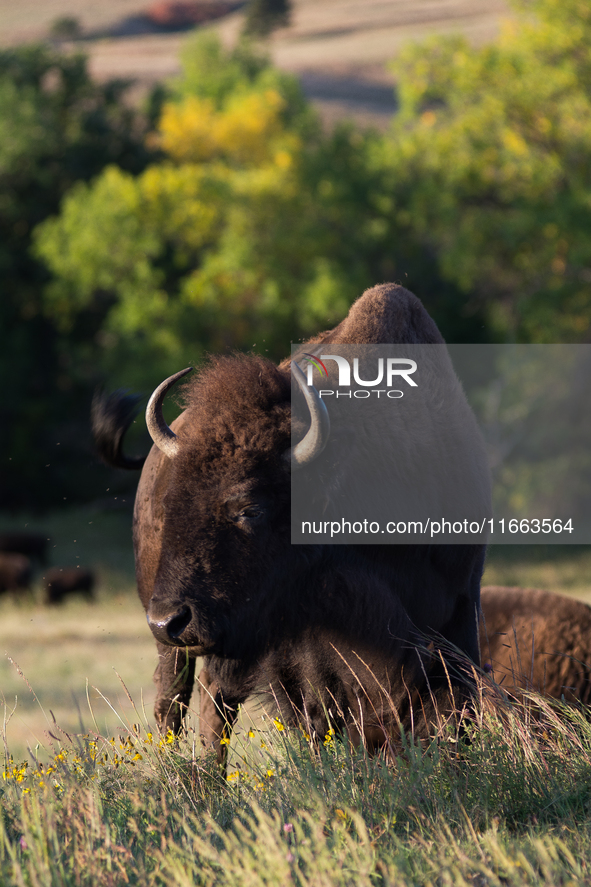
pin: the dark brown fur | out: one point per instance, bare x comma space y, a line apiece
15, 572
59, 582
335, 632
536, 640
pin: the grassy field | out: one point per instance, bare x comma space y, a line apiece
508, 807
104, 799
71, 654
562, 568
78, 655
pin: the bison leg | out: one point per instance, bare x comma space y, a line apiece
174, 678
216, 717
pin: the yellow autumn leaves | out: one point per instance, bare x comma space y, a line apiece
250, 131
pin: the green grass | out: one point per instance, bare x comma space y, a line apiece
71, 655
512, 807
560, 568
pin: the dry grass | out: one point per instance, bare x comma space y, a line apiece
62, 649
65, 653
122, 806
511, 807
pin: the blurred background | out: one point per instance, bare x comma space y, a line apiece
184, 178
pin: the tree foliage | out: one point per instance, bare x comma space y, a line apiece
254, 228
264, 16
493, 146
239, 223
56, 127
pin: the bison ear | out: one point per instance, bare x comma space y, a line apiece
163, 436
317, 436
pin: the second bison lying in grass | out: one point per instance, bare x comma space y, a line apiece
537, 640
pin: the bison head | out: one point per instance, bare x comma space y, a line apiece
219, 584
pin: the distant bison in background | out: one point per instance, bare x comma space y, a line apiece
62, 581
15, 572
32, 545
338, 633
536, 640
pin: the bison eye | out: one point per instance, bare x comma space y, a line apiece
250, 518
251, 514
247, 515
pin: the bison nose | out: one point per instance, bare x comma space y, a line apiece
169, 628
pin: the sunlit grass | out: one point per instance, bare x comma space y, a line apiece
92, 794
65, 653
510, 806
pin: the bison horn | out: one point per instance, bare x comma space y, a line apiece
317, 437
163, 436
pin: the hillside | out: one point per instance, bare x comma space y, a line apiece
338, 48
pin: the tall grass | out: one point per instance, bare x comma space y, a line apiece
113, 803
508, 804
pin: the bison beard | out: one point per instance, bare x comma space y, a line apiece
364, 635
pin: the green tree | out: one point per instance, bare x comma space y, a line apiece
66, 27
254, 220
221, 237
490, 156
56, 127
264, 16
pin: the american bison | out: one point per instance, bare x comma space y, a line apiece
33, 545
15, 572
60, 582
348, 634
536, 640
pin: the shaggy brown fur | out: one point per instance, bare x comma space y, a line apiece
62, 581
15, 572
327, 628
536, 640
385, 313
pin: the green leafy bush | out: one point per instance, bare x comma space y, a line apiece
493, 146
56, 127
254, 229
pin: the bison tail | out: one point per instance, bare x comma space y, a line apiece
111, 416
